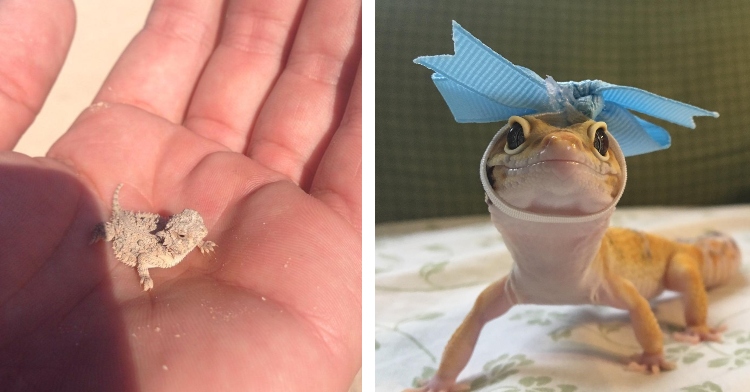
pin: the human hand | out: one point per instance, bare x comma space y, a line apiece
250, 115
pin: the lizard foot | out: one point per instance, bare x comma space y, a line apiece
437, 385
147, 283
653, 363
697, 334
206, 247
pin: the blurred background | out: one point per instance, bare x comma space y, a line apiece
692, 51
103, 29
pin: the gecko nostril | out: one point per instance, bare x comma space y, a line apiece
562, 140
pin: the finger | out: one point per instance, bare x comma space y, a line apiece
254, 45
338, 181
305, 107
158, 70
34, 39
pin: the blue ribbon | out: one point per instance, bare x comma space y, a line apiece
480, 85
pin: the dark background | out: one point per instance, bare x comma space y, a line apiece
692, 51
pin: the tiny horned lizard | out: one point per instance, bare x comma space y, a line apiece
143, 239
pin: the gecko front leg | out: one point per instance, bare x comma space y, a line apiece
492, 303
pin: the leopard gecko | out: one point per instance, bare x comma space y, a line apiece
552, 182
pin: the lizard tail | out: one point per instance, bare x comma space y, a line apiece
116, 198
721, 258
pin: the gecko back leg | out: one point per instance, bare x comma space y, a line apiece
684, 276
700, 264
645, 326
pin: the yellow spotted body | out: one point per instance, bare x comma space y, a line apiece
641, 258
644, 259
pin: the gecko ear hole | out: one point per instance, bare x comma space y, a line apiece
517, 134
599, 139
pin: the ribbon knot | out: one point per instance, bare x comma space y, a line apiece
580, 96
480, 85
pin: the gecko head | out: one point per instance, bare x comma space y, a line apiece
556, 164
183, 232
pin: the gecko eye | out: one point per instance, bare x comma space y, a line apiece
517, 134
600, 140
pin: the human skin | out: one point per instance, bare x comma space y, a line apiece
247, 113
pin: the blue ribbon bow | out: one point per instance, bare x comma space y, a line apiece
480, 85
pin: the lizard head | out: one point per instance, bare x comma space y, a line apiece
183, 232
556, 164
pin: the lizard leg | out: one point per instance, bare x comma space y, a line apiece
684, 276
645, 325
146, 280
492, 303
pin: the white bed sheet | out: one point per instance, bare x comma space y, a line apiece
428, 274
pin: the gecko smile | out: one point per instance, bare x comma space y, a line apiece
557, 166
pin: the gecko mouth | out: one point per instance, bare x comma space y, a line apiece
563, 169
552, 156
578, 162
560, 186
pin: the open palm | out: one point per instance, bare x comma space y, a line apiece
248, 112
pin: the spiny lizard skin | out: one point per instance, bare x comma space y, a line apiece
138, 242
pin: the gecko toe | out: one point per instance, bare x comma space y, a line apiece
440, 386
649, 363
697, 334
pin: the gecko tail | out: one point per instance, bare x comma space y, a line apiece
721, 258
